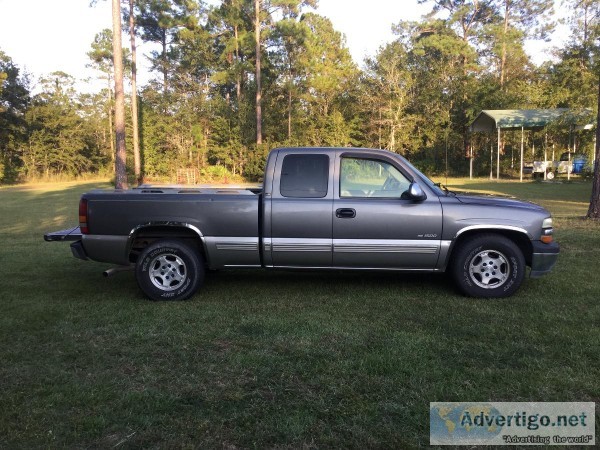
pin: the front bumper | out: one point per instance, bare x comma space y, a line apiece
543, 259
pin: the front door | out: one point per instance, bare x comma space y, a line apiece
375, 224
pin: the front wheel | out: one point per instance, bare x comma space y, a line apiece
488, 266
169, 270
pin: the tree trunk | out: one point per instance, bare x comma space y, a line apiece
238, 82
110, 120
258, 72
503, 61
164, 61
594, 209
121, 157
134, 103
290, 111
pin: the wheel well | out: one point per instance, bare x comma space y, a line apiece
150, 234
520, 239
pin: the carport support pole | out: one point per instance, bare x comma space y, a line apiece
569, 163
491, 159
522, 143
470, 162
546, 156
498, 161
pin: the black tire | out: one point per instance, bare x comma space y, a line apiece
169, 270
489, 266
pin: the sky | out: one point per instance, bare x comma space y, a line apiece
43, 36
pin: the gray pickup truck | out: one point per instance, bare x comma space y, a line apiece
318, 208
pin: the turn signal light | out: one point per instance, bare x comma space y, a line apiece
546, 239
83, 216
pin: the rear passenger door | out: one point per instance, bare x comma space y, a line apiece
301, 210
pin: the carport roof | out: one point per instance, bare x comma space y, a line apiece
491, 119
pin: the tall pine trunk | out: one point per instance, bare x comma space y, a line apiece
238, 82
258, 72
503, 60
289, 124
594, 209
134, 103
163, 42
121, 157
110, 119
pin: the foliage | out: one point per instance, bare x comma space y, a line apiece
14, 101
416, 96
59, 139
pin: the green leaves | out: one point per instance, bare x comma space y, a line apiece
58, 139
417, 95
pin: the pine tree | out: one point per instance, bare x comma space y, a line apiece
134, 95
121, 155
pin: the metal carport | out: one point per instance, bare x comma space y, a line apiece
489, 120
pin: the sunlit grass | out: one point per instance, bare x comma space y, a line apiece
41, 187
277, 359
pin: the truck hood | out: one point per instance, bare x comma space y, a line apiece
492, 200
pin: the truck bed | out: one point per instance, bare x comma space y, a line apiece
216, 211
226, 219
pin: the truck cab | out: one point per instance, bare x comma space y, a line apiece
347, 208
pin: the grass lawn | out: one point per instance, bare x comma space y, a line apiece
278, 359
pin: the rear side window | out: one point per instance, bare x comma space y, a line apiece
304, 176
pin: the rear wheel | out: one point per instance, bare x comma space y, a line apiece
489, 266
169, 270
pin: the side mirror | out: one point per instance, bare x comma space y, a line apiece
416, 193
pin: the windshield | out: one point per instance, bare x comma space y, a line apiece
430, 184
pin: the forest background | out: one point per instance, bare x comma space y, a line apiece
232, 80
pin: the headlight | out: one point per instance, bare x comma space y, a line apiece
547, 231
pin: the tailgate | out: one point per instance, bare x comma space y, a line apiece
70, 234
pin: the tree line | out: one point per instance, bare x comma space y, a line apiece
234, 80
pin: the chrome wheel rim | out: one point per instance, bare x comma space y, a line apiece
489, 269
167, 272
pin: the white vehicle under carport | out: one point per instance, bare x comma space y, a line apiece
568, 163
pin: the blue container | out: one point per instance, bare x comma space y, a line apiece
578, 164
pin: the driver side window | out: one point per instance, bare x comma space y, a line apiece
362, 178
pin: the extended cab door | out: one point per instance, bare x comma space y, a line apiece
298, 231
375, 224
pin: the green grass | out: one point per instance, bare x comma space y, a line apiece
277, 359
